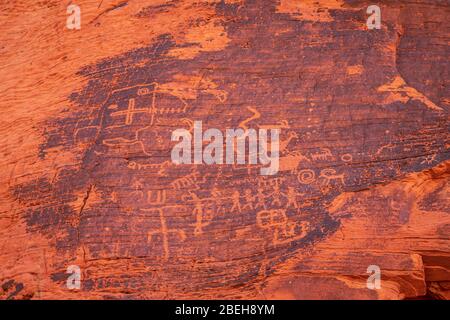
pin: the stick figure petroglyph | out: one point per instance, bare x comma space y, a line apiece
236, 201
261, 199
291, 198
276, 195
249, 198
138, 186
198, 211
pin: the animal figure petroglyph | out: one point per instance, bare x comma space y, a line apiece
191, 181
284, 143
330, 174
324, 155
292, 161
161, 167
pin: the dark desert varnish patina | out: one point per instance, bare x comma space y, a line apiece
364, 153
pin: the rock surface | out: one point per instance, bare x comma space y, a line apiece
85, 147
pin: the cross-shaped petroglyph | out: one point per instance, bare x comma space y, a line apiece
153, 110
129, 112
165, 232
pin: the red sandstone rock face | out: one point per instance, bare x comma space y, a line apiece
364, 151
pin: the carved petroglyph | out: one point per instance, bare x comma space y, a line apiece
201, 220
324, 155
191, 181
282, 124
165, 233
128, 113
249, 199
276, 195
256, 115
160, 167
329, 175
347, 157
306, 176
156, 197
236, 202
291, 161
291, 198
429, 159
382, 148
284, 143
284, 231
138, 187
144, 106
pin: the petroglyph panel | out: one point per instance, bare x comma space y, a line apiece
363, 152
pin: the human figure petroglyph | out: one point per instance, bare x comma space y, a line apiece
261, 199
202, 210
198, 212
138, 187
276, 195
165, 232
236, 201
249, 198
291, 196
218, 198
330, 174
